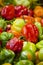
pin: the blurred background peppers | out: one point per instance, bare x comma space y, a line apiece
24, 62
17, 2
6, 64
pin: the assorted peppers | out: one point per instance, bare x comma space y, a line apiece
21, 34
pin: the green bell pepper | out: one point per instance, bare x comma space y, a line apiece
24, 62
40, 30
27, 3
39, 45
6, 56
40, 54
3, 24
27, 55
40, 63
23, 2
4, 37
29, 46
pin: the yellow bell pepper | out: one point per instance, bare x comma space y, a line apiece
6, 64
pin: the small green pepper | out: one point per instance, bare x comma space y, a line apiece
39, 45
40, 63
10, 35
27, 3
27, 55
40, 30
3, 24
24, 62
40, 54
6, 56
4, 37
29, 46
23, 2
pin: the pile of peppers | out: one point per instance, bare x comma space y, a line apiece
21, 33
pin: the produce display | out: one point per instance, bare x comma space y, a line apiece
21, 32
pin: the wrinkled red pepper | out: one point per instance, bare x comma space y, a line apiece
15, 45
30, 32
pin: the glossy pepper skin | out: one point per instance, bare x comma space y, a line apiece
29, 46
20, 10
30, 32
40, 54
8, 12
6, 56
38, 25
22, 2
5, 37
38, 11
18, 25
15, 45
39, 45
24, 62
27, 55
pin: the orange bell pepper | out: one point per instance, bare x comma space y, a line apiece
38, 11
